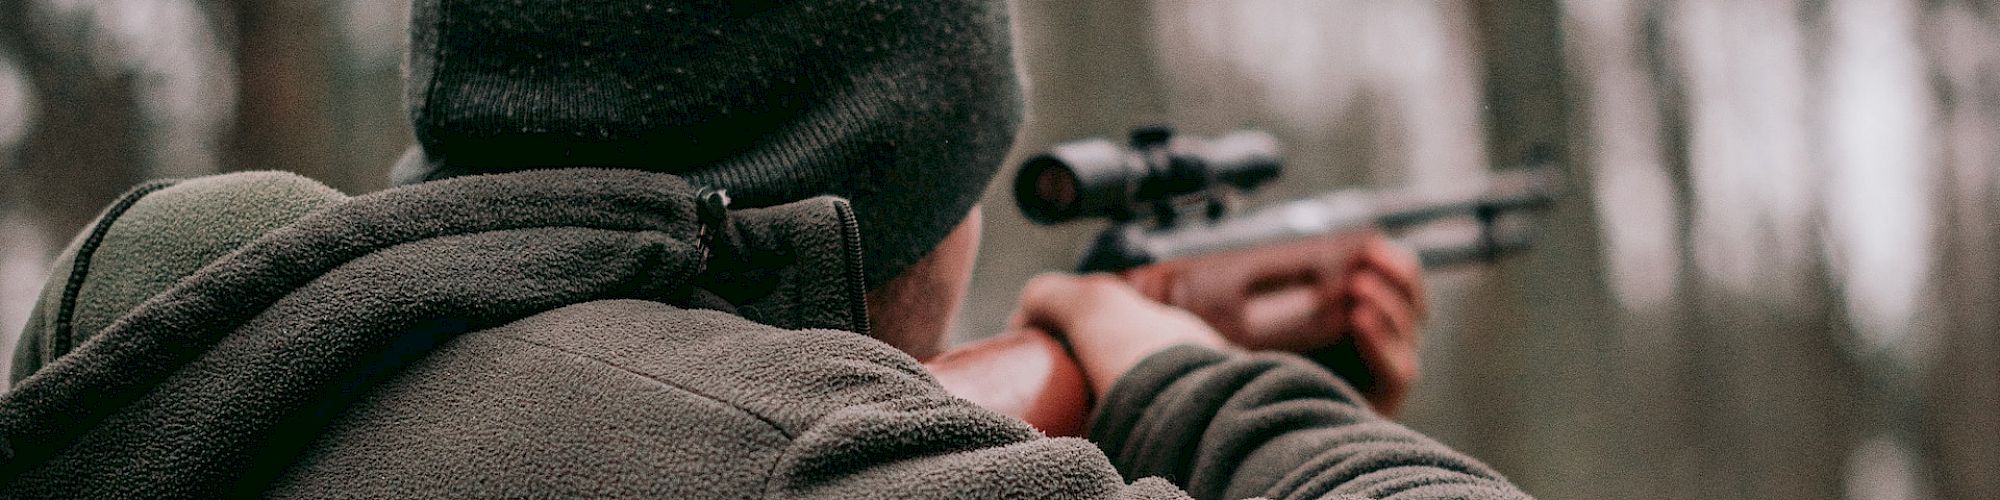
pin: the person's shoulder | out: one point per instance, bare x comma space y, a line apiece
641, 397
790, 378
151, 237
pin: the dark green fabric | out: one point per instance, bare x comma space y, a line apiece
38, 340
167, 231
206, 382
905, 108
1272, 425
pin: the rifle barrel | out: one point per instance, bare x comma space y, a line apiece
1125, 247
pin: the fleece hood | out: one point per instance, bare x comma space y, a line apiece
213, 384
906, 108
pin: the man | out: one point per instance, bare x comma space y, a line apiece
616, 272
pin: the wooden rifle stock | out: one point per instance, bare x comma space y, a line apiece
1025, 374
1031, 375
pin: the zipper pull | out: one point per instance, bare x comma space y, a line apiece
711, 207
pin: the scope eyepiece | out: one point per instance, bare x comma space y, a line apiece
1099, 178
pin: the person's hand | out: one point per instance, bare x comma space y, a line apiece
1354, 302
1381, 298
1108, 325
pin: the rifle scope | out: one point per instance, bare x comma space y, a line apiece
1099, 178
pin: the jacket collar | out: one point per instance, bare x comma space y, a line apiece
797, 265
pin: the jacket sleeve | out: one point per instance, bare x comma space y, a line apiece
1216, 425
1272, 425
937, 446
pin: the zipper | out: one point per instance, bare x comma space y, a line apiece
61, 339
857, 275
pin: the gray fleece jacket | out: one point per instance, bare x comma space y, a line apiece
588, 333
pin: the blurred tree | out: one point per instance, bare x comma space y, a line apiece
1534, 359
1958, 405
282, 119
87, 145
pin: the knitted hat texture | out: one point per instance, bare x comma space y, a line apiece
905, 108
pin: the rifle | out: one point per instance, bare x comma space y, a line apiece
1173, 206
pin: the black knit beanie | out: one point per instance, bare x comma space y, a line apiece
904, 107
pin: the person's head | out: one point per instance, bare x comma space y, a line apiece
906, 108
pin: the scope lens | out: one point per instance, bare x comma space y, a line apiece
1057, 187
1047, 191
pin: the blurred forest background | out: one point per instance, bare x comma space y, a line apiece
1775, 275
